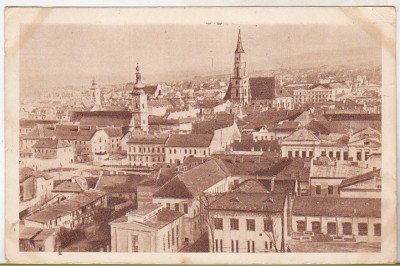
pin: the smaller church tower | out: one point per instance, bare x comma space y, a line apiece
240, 78
139, 109
95, 95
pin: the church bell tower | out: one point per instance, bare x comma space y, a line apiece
139, 109
240, 78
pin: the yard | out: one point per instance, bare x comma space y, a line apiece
299, 246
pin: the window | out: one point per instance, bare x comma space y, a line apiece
358, 156
331, 228
268, 225
266, 245
323, 153
168, 206
185, 208
330, 190
338, 155
316, 227
216, 245
234, 224
173, 236
318, 189
310, 154
296, 154
301, 226
331, 154
218, 224
290, 154
232, 246
251, 224
177, 207
237, 245
169, 244
347, 229
220, 245
377, 229
346, 155
362, 229
177, 235
304, 154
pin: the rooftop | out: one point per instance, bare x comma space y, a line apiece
148, 139
68, 186
50, 143
189, 140
119, 183
336, 207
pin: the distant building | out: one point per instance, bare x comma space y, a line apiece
68, 188
151, 228
146, 150
248, 222
276, 132
367, 185
340, 219
53, 149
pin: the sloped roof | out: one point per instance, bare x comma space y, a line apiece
68, 186
250, 202
103, 118
262, 88
336, 207
27, 172
287, 125
296, 169
65, 207
195, 181
63, 132
302, 134
148, 139
360, 178
29, 233
44, 234
114, 132
338, 170
251, 186
189, 140
119, 183
30, 123
317, 127
209, 126
50, 144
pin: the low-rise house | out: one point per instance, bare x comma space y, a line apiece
367, 185
115, 135
178, 147
276, 132
248, 222
146, 150
342, 219
53, 149
185, 192
34, 189
326, 176
26, 125
68, 188
151, 228
68, 213
36, 239
120, 186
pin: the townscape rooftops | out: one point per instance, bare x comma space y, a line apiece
336, 207
27, 172
250, 202
66, 207
298, 168
189, 140
49, 143
360, 178
30, 123
119, 183
148, 139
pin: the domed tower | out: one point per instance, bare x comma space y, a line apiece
140, 116
95, 95
240, 78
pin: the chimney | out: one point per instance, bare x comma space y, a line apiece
273, 183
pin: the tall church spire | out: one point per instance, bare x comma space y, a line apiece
239, 47
138, 83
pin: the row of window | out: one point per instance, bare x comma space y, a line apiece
176, 207
250, 224
187, 151
146, 158
171, 238
251, 246
147, 149
332, 228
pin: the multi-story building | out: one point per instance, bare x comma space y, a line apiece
186, 192
151, 228
53, 149
146, 150
340, 219
248, 222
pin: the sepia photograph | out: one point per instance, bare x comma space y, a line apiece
231, 134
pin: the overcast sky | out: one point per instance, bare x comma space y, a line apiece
59, 55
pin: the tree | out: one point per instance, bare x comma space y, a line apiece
270, 229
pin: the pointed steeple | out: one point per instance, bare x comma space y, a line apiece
239, 47
138, 83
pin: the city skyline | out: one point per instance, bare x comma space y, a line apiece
72, 55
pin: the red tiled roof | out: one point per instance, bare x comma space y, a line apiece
336, 207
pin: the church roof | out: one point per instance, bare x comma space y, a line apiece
262, 88
103, 118
239, 46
